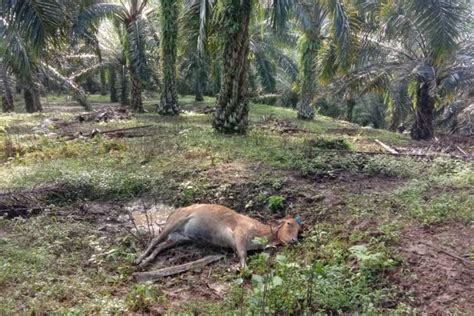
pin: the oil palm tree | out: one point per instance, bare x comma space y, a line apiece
231, 114
311, 17
195, 29
26, 28
269, 62
169, 32
6, 90
319, 20
419, 42
271, 57
29, 30
131, 15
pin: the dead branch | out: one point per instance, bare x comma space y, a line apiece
110, 113
296, 129
387, 147
156, 275
462, 151
369, 153
112, 131
12, 211
452, 255
128, 230
124, 129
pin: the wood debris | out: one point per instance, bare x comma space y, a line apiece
137, 131
105, 115
387, 147
17, 210
156, 275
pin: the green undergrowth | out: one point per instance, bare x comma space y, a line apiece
326, 273
176, 147
52, 264
442, 193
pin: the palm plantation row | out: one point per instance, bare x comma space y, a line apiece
413, 54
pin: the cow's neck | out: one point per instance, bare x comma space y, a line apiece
269, 232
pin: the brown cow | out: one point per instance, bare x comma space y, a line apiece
219, 226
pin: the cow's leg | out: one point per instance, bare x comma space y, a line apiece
164, 235
240, 248
173, 241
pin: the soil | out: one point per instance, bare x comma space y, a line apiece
437, 282
433, 281
444, 144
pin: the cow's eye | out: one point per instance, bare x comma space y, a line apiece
289, 224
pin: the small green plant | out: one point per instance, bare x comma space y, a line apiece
188, 192
291, 286
330, 144
277, 185
141, 297
276, 203
371, 263
12, 149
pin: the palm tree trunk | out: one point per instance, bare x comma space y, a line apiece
35, 90
102, 75
231, 114
124, 98
7, 99
199, 96
350, 103
80, 97
216, 76
79, 94
309, 52
169, 28
36, 98
136, 92
395, 118
18, 88
69, 83
198, 83
112, 84
29, 100
423, 126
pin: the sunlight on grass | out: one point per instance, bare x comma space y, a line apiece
180, 161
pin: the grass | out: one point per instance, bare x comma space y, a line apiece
54, 264
49, 264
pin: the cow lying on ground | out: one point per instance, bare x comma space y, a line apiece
219, 226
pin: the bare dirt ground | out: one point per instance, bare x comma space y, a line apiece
433, 278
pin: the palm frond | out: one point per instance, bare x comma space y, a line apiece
137, 41
6, 79
89, 70
68, 83
13, 50
346, 24
95, 13
266, 72
441, 21
326, 62
280, 14
36, 20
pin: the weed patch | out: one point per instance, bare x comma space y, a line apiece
46, 265
324, 283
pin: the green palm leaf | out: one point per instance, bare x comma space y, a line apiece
36, 20
137, 42
441, 22
95, 13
